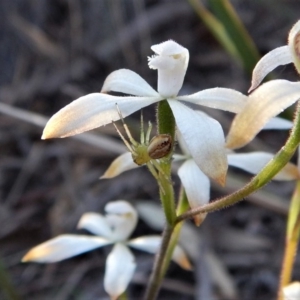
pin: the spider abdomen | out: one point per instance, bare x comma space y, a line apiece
160, 146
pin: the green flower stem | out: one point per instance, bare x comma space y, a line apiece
166, 193
166, 251
165, 119
292, 240
181, 207
166, 124
156, 278
267, 173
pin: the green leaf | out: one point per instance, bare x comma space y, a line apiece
228, 29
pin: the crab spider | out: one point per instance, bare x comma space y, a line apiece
147, 151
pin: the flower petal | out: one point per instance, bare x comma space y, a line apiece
204, 139
122, 217
119, 269
264, 103
254, 162
292, 291
121, 164
151, 244
273, 59
196, 185
171, 63
148, 209
128, 82
219, 98
64, 246
278, 123
180, 257
96, 224
91, 111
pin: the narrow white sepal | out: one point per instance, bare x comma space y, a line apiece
204, 139
273, 59
63, 247
148, 209
195, 182
128, 82
179, 157
96, 224
148, 243
264, 103
92, 111
254, 162
119, 269
278, 124
179, 256
218, 98
151, 244
121, 164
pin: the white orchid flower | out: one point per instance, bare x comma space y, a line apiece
194, 181
113, 228
197, 184
272, 97
171, 61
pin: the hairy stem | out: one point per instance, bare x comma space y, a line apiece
166, 124
156, 278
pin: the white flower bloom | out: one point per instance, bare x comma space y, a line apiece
195, 182
197, 185
113, 228
272, 97
171, 60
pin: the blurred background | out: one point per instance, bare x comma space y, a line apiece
53, 52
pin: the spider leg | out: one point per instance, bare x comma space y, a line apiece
148, 133
155, 175
130, 137
156, 164
128, 146
142, 136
